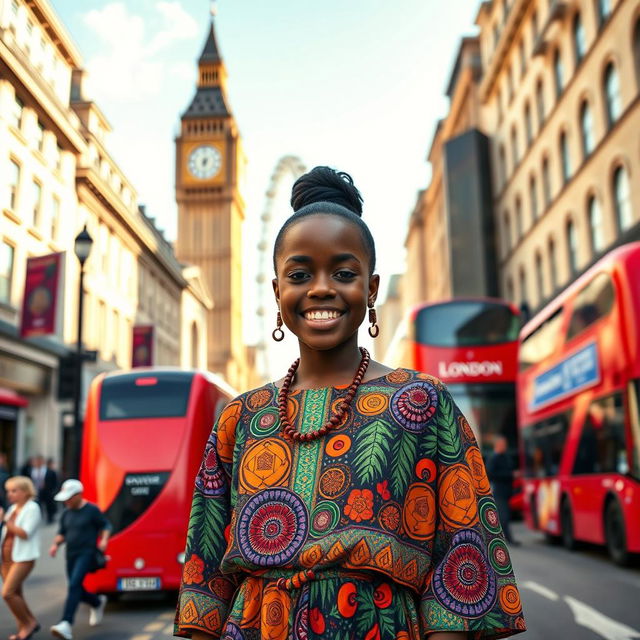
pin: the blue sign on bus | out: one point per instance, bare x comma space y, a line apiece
576, 372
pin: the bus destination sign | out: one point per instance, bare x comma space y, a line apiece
576, 372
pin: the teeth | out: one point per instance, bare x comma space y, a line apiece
321, 315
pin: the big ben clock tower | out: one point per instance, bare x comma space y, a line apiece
209, 167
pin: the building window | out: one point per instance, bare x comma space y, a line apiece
603, 8
523, 58
594, 213
533, 197
565, 159
499, 103
509, 84
572, 248
540, 103
496, 35
6, 271
539, 276
502, 159
622, 198
546, 182
518, 214
57, 157
38, 136
612, 94
507, 233
55, 216
14, 184
17, 111
527, 123
522, 278
579, 39
535, 30
29, 38
586, 128
558, 73
510, 293
36, 201
515, 155
553, 266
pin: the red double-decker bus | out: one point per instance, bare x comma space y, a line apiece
471, 345
578, 409
144, 435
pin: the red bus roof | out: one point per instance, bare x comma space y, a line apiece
414, 310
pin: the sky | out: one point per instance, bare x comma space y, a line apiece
357, 85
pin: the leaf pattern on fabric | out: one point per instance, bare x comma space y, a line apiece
372, 451
404, 452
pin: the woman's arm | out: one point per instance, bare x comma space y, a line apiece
16, 530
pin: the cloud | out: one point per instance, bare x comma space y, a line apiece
130, 67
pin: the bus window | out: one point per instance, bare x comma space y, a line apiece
593, 302
634, 411
139, 396
467, 323
541, 342
543, 446
602, 443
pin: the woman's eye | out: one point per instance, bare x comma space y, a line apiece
345, 274
297, 275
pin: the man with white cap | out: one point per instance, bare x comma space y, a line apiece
83, 527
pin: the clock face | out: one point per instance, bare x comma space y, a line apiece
204, 162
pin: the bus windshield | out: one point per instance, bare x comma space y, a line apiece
491, 411
466, 324
137, 395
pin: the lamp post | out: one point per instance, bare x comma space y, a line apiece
82, 248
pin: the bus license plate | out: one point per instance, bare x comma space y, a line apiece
138, 584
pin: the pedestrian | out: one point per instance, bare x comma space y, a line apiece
45, 482
83, 529
353, 498
20, 543
500, 471
4, 476
51, 486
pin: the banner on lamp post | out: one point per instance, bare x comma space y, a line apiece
42, 302
142, 346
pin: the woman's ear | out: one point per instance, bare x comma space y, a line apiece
374, 285
276, 290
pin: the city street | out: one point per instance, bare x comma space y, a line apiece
566, 596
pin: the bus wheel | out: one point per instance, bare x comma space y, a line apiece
616, 533
568, 539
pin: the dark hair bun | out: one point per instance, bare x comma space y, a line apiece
323, 184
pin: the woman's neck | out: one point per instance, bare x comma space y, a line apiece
327, 368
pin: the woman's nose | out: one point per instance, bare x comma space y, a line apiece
321, 288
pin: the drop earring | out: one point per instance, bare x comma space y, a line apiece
374, 329
278, 333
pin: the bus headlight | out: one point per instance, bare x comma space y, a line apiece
181, 558
138, 563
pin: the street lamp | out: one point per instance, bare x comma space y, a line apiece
82, 248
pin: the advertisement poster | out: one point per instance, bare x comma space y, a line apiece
142, 346
43, 295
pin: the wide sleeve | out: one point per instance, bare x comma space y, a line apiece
32, 519
205, 593
471, 585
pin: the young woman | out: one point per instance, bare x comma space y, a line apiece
352, 498
20, 544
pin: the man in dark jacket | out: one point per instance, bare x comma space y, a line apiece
500, 472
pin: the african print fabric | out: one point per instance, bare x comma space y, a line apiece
392, 511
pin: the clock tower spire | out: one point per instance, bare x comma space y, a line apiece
209, 167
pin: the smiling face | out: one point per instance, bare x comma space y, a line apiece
323, 283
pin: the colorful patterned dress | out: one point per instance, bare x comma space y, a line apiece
392, 513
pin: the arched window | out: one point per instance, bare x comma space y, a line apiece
519, 227
636, 50
546, 182
594, 215
572, 247
579, 39
553, 265
522, 278
612, 94
502, 159
540, 103
523, 58
603, 9
515, 155
194, 346
507, 233
539, 276
622, 198
558, 73
527, 123
565, 159
509, 84
533, 198
586, 129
